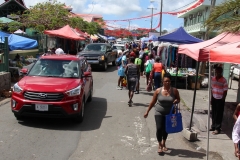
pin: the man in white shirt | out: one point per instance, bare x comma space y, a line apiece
236, 137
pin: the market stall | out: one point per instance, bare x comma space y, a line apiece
204, 51
69, 38
21, 50
228, 53
180, 66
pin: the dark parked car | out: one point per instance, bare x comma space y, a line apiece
99, 55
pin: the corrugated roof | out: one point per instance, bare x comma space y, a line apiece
5, 20
21, 3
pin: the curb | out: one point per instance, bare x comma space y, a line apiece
5, 101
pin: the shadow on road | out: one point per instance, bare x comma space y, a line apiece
147, 93
185, 153
95, 111
110, 68
140, 105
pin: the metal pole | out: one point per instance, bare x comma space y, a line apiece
161, 17
151, 20
194, 95
129, 27
6, 53
209, 105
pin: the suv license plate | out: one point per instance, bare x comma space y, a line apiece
41, 107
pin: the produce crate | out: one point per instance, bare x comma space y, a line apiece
193, 85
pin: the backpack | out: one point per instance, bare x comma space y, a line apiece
149, 67
119, 61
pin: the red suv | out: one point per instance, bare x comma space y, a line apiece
56, 86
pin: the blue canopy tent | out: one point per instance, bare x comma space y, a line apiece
144, 39
111, 38
16, 42
179, 36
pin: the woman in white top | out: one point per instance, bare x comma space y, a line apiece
151, 61
236, 137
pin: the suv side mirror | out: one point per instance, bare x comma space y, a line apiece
24, 71
87, 74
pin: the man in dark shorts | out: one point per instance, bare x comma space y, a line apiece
132, 73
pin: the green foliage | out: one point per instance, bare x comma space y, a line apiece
46, 16
13, 26
90, 28
50, 16
225, 17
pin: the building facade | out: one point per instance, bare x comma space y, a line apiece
12, 7
194, 19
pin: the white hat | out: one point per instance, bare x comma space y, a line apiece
59, 51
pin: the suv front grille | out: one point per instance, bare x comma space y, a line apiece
92, 58
40, 96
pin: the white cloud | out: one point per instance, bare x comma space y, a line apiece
115, 7
112, 7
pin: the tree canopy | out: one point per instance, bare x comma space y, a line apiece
50, 16
225, 17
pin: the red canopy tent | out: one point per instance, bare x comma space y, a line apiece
65, 32
229, 53
82, 34
200, 51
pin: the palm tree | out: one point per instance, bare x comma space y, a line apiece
225, 17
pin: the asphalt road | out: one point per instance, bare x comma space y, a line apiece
110, 131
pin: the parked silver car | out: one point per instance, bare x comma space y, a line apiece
235, 71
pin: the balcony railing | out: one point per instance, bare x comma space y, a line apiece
199, 27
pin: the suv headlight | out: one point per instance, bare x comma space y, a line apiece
17, 89
74, 92
101, 58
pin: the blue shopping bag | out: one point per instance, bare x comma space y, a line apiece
174, 120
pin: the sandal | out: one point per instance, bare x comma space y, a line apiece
215, 132
165, 149
160, 151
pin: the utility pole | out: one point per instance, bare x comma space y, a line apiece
129, 28
152, 8
161, 6
129, 25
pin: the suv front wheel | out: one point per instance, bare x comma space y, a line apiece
105, 66
80, 115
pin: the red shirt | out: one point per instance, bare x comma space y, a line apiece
157, 67
132, 54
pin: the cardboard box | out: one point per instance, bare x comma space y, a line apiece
193, 85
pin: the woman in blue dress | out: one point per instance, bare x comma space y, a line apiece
121, 71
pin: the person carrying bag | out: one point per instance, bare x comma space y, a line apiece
163, 100
149, 65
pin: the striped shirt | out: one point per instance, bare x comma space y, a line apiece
218, 87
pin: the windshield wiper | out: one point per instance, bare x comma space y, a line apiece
50, 76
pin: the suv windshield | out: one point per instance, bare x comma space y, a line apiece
95, 47
56, 68
118, 47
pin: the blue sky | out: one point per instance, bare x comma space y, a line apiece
125, 9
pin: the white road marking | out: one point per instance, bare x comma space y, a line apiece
138, 142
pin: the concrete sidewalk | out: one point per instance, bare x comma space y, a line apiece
220, 143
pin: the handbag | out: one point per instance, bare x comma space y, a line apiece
149, 67
173, 122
